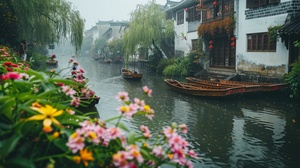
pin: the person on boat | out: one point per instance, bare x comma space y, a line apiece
22, 50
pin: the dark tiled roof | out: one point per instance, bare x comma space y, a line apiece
291, 28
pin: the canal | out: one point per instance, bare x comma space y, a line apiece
256, 131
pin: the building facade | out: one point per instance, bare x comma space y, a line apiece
236, 34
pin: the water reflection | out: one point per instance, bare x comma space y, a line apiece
242, 132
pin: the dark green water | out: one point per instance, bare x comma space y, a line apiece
257, 131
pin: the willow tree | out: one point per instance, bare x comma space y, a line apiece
47, 21
148, 27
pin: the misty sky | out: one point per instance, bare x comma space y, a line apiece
118, 10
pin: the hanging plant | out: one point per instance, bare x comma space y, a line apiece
212, 28
272, 32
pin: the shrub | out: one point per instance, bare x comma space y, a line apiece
293, 78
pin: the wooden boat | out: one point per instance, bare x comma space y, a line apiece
52, 63
248, 87
132, 75
203, 90
266, 87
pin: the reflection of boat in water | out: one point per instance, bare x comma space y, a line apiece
132, 75
203, 90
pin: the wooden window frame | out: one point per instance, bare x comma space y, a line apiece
180, 17
193, 14
260, 42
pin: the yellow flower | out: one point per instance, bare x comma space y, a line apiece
147, 108
47, 114
56, 134
85, 156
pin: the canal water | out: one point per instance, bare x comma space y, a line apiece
257, 131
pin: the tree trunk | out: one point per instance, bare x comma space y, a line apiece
156, 47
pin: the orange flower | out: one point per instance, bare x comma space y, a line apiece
84, 157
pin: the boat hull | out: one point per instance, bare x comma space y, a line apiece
203, 91
131, 75
248, 87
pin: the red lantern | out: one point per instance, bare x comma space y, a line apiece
186, 9
211, 47
233, 39
232, 44
210, 42
215, 3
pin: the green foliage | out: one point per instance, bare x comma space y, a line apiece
272, 31
38, 61
186, 66
100, 45
44, 22
163, 64
115, 47
38, 127
293, 77
148, 25
153, 61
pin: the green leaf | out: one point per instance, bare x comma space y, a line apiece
131, 138
20, 163
113, 118
6, 108
23, 86
61, 144
122, 126
8, 145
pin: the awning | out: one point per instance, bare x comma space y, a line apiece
291, 28
290, 31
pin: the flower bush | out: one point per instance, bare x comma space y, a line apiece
40, 126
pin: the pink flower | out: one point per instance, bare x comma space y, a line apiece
75, 102
183, 128
146, 131
192, 154
12, 75
169, 132
76, 142
120, 159
24, 76
114, 133
71, 60
68, 91
158, 151
135, 153
139, 103
122, 97
147, 91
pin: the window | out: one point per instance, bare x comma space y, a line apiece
180, 17
194, 14
260, 42
195, 44
259, 3
216, 12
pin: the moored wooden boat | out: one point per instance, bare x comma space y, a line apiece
132, 75
203, 90
248, 86
52, 63
266, 87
